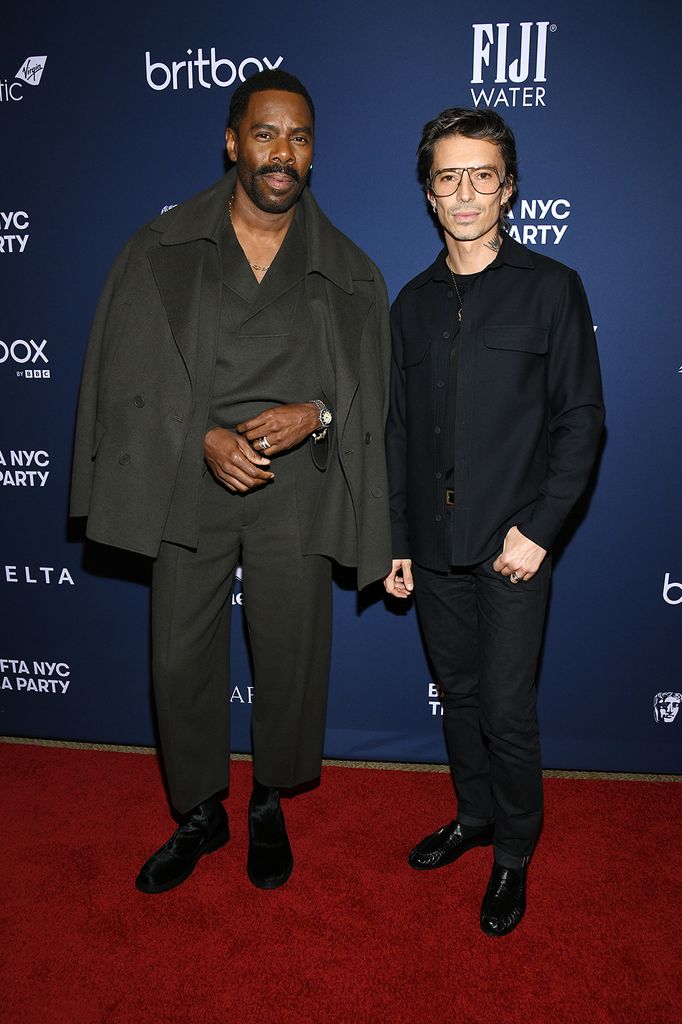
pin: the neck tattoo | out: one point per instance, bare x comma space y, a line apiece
254, 266
495, 243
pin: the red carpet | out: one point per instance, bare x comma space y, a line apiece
355, 936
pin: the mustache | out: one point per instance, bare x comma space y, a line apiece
291, 172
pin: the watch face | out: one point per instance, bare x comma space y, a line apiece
325, 417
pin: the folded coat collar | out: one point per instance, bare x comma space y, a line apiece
202, 216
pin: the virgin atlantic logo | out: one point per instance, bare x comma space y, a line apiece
31, 71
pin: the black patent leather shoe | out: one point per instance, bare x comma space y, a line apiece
447, 844
270, 861
204, 830
504, 903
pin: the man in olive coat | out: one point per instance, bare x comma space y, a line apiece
232, 408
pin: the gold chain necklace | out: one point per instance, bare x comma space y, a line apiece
254, 266
459, 297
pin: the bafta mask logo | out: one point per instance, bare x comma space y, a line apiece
666, 706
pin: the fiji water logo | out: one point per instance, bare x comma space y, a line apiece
518, 57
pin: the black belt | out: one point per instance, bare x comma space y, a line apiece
449, 497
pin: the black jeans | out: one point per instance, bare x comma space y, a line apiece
483, 635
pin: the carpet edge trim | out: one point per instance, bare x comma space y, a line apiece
548, 773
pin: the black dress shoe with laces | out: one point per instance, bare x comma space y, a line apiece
270, 861
504, 903
203, 830
447, 844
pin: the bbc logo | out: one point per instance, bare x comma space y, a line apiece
36, 373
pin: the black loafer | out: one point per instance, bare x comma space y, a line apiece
504, 903
204, 830
447, 844
270, 861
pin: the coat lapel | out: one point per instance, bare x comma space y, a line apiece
178, 272
186, 267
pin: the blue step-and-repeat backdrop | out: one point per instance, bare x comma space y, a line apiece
110, 112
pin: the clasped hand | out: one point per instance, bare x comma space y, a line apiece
284, 426
236, 460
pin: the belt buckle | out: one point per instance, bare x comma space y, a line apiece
449, 497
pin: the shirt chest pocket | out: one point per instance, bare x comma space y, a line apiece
532, 340
414, 354
513, 358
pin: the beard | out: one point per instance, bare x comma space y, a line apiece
260, 193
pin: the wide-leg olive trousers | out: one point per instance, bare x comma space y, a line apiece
287, 605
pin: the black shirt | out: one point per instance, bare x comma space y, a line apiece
527, 413
445, 400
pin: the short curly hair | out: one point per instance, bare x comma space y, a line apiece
261, 82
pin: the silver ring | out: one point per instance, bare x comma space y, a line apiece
514, 577
264, 443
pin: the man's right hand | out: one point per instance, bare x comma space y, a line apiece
233, 461
399, 582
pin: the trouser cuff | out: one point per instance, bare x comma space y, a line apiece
511, 860
468, 819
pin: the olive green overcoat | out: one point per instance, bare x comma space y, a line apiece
146, 388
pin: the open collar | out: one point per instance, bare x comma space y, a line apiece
202, 217
511, 253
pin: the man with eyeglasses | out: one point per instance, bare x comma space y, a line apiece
494, 427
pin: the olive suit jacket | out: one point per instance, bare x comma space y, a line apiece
146, 388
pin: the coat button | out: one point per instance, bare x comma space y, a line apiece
377, 492
368, 438
138, 400
349, 451
446, 334
123, 459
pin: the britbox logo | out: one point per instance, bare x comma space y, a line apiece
29, 354
670, 588
30, 73
203, 72
519, 57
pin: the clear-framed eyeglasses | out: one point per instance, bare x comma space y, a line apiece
485, 180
